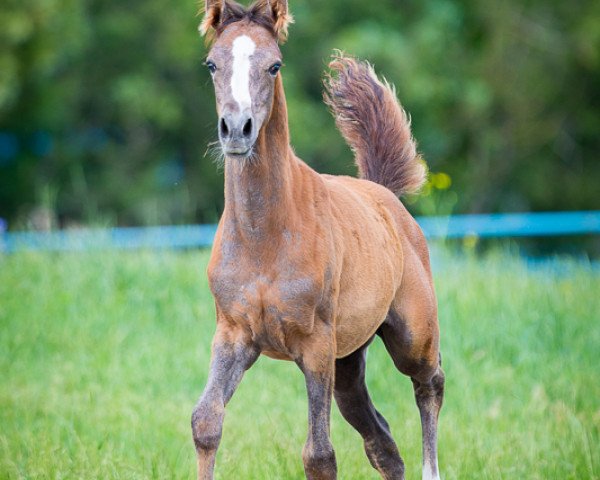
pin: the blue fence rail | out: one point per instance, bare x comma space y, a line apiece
191, 236
512, 224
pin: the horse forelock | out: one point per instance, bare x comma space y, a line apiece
259, 13
256, 13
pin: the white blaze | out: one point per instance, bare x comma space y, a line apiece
243, 48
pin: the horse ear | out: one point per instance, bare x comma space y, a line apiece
215, 12
212, 16
282, 18
278, 10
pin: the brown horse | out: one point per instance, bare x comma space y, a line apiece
309, 267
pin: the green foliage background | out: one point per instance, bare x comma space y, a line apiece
108, 109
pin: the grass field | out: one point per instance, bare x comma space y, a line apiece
103, 355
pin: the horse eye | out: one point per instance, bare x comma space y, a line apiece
274, 68
212, 68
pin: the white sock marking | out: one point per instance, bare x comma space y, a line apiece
243, 48
428, 472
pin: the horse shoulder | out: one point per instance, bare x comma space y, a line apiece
228, 270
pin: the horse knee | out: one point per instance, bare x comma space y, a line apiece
319, 463
206, 426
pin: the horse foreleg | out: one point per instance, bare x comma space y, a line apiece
231, 357
318, 368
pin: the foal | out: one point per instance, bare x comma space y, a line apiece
309, 267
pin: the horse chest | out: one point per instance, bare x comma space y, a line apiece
275, 308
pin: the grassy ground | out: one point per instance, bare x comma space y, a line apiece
103, 355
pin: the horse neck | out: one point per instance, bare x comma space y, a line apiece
258, 192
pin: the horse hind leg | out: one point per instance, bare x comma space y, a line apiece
355, 405
414, 349
429, 396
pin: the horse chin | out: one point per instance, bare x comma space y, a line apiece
238, 153
241, 152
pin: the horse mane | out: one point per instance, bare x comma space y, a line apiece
257, 13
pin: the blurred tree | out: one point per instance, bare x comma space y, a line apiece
106, 110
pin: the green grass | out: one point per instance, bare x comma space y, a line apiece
103, 356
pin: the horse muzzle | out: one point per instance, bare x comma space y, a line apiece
237, 133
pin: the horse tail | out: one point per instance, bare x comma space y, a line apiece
375, 126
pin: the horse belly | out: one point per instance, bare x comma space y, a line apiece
360, 314
368, 285
357, 324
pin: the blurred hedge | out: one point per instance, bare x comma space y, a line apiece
106, 110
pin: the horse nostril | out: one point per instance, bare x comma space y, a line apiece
224, 128
247, 130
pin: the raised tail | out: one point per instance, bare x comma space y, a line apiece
375, 126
